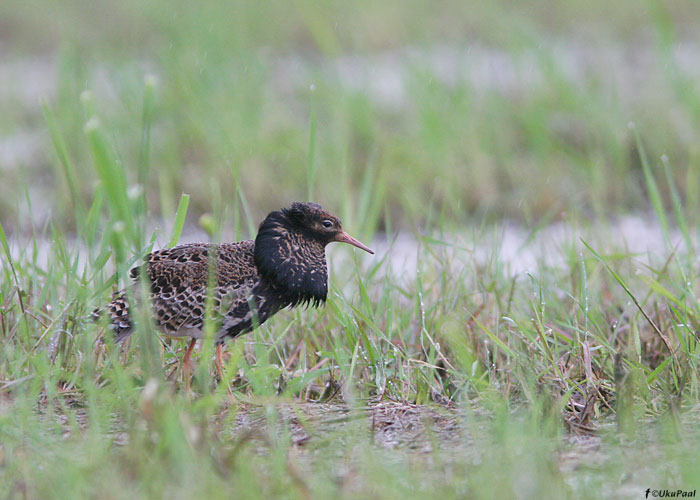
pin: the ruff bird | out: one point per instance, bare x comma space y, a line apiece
248, 281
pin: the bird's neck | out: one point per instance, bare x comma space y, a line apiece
291, 261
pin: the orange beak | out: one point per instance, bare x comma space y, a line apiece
344, 237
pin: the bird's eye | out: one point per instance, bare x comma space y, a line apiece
328, 223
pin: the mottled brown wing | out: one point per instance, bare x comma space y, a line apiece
179, 278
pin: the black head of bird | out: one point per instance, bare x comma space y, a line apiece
290, 250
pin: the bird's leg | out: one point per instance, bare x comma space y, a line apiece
220, 361
187, 364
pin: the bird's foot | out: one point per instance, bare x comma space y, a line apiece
219, 361
188, 365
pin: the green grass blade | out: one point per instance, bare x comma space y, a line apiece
677, 205
652, 187
180, 217
311, 166
144, 164
627, 290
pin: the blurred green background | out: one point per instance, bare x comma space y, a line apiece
570, 376
401, 113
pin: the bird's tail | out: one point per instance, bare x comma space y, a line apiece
119, 318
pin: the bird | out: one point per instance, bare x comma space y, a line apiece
247, 281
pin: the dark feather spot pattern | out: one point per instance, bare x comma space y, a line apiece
285, 266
